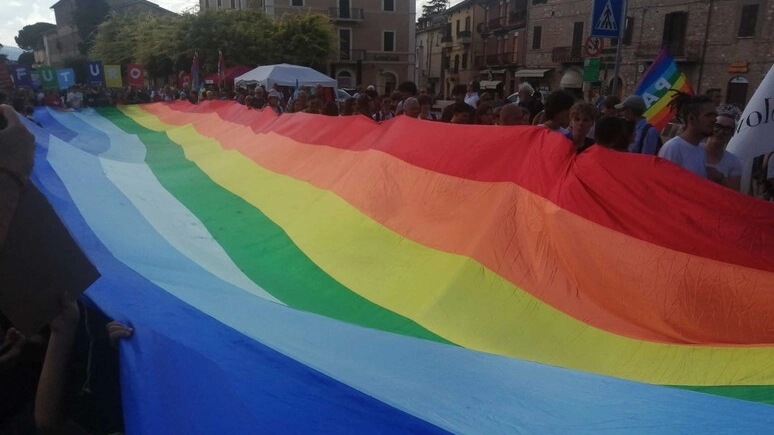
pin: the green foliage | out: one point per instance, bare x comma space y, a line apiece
434, 7
30, 37
164, 44
26, 58
87, 17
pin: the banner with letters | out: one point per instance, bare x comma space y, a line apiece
96, 75
135, 75
65, 77
48, 78
21, 76
113, 76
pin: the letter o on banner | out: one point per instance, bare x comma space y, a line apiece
135, 74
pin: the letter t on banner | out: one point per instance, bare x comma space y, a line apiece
135, 75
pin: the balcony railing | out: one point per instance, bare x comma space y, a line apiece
680, 50
446, 41
499, 59
512, 21
352, 55
465, 37
346, 14
566, 54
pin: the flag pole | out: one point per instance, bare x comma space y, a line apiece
621, 33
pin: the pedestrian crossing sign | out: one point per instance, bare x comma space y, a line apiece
607, 18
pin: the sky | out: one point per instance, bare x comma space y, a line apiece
16, 14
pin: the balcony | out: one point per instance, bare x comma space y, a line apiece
682, 51
351, 15
447, 41
465, 37
567, 55
499, 59
352, 55
514, 20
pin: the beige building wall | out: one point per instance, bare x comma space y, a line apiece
462, 43
377, 40
430, 53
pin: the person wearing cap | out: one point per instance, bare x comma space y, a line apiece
274, 101
646, 138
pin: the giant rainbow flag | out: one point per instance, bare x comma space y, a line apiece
308, 274
657, 88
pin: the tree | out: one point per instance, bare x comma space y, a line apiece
87, 16
434, 7
26, 58
306, 39
31, 36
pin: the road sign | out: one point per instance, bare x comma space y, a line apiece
607, 18
594, 46
591, 69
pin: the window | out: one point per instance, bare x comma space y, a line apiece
388, 5
465, 61
388, 41
537, 35
296, 2
628, 33
456, 62
206, 4
467, 23
577, 39
458, 26
674, 32
345, 44
537, 2
233, 4
220, 4
748, 21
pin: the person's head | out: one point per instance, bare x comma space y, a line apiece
411, 107
608, 105
558, 106
612, 132
474, 86
210, 95
486, 97
365, 105
458, 92
513, 114
298, 106
425, 104
396, 98
723, 130
303, 96
632, 107
582, 117
349, 106
386, 104
462, 113
273, 98
259, 92
249, 101
525, 92
714, 94
407, 89
330, 109
484, 114
314, 105
696, 112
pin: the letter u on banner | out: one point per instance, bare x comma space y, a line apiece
96, 74
135, 75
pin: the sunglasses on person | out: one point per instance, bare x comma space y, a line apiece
725, 128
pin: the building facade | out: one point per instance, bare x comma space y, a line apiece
62, 42
461, 44
430, 58
376, 38
725, 44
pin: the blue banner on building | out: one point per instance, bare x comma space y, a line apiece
96, 74
22, 77
65, 77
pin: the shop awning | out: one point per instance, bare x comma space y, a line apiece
531, 72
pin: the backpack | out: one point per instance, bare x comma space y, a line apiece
641, 142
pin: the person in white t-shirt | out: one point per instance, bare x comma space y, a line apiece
722, 166
697, 114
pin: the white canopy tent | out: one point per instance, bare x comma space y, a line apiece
284, 75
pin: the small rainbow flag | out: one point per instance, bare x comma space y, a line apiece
659, 80
312, 274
